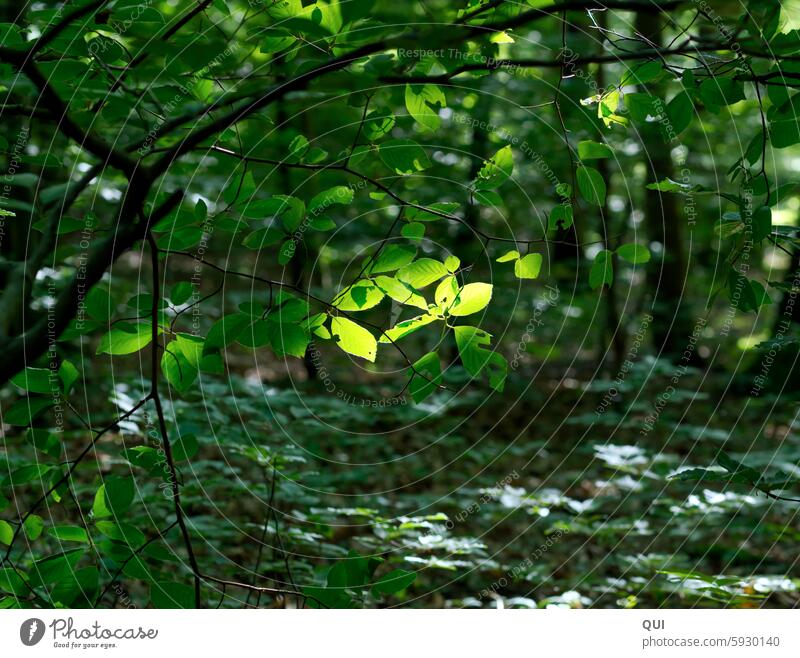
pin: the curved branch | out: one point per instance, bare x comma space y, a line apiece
465, 31
20, 351
396, 197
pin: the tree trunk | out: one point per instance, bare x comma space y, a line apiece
664, 221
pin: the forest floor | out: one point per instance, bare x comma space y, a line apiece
555, 493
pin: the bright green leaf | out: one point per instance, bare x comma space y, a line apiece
126, 338
353, 338
528, 267
422, 102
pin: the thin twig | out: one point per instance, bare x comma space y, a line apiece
162, 423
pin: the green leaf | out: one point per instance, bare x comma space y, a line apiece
589, 150
607, 109
289, 309
36, 380
378, 124
591, 185
746, 294
68, 533
290, 210
113, 497
227, 330
413, 231
762, 223
341, 195
25, 411
191, 347
321, 223
701, 475
288, 339
176, 368
784, 133
641, 73
640, 106
426, 377
354, 339
263, 237
668, 185
241, 187
446, 293
55, 568
355, 10
404, 156
352, 572
719, 91
472, 345
635, 254
422, 272
755, 149
452, 263
185, 447
496, 170
731, 465
508, 256
422, 102
123, 532
392, 258
99, 304
680, 112
275, 40
560, 217
488, 198
182, 239
393, 582
83, 582
602, 272
741, 293
331, 598
11, 582
6, 533
172, 595
528, 267
181, 293
68, 374
33, 527
46, 441
400, 292
126, 338
256, 335
25, 474
119, 493
472, 298
200, 213
406, 327
361, 296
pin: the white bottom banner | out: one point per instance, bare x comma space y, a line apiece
401, 633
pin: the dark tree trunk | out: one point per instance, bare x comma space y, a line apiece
665, 224
614, 338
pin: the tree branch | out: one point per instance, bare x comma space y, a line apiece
155, 370
20, 351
